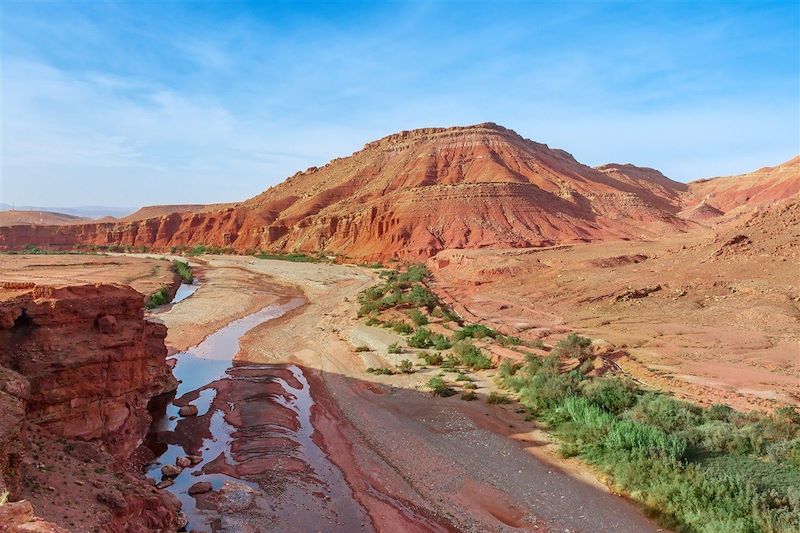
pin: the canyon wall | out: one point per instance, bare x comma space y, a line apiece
78, 366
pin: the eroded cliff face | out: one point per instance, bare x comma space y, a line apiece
78, 366
92, 360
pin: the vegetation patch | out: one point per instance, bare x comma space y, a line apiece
699, 469
158, 298
439, 387
182, 269
293, 257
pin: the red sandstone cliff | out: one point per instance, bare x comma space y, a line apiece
78, 365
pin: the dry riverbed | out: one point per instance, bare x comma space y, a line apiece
396, 458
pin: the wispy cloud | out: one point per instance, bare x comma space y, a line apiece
166, 103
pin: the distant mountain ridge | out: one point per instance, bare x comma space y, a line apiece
412, 194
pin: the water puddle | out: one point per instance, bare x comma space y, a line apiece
254, 437
184, 291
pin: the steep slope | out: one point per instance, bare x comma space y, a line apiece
762, 186
410, 195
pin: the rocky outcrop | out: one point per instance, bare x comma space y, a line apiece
92, 360
78, 365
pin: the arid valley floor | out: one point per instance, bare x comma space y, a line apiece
454, 329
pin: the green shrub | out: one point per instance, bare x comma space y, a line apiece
434, 359
497, 398
394, 348
508, 368
439, 387
463, 377
440, 342
406, 367
472, 356
380, 371
421, 296
362, 348
421, 338
469, 395
293, 257
183, 270
470, 386
450, 362
417, 317
644, 441
474, 331
665, 412
160, 297
612, 393
573, 345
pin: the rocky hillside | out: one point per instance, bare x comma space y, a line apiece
410, 195
755, 188
414, 193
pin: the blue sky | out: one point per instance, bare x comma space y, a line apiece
134, 103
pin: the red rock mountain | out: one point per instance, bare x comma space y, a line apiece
762, 186
410, 195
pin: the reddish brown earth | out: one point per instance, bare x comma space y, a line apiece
410, 195
14, 217
414, 193
80, 364
712, 315
762, 186
146, 275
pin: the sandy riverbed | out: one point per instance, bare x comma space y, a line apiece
413, 462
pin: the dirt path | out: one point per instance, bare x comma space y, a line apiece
412, 462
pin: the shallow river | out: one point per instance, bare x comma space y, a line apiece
254, 432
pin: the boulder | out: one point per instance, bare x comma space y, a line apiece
200, 487
188, 410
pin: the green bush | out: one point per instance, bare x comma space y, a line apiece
293, 257
497, 398
421, 338
183, 270
421, 296
469, 395
703, 470
394, 348
417, 317
508, 368
472, 356
406, 367
665, 412
160, 297
362, 348
439, 387
474, 331
572, 345
434, 359
612, 393
380, 371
